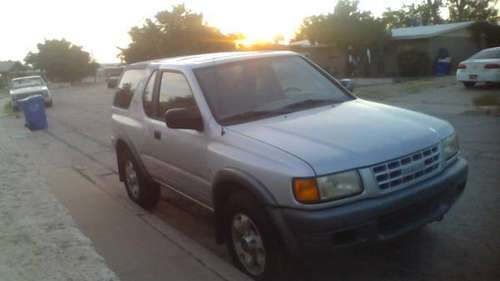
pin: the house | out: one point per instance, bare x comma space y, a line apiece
459, 40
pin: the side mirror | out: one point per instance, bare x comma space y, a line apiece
182, 118
348, 84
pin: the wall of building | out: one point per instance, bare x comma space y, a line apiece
328, 57
460, 45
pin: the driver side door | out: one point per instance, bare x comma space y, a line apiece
180, 153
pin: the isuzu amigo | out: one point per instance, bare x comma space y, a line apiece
290, 162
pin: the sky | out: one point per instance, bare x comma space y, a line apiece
101, 26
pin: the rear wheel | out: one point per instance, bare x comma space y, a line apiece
140, 189
253, 244
469, 84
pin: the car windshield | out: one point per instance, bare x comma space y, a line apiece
258, 88
487, 54
27, 82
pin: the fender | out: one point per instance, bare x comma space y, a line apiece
243, 179
221, 191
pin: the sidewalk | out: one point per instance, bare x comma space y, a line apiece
38, 239
135, 244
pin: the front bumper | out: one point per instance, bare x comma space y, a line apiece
375, 219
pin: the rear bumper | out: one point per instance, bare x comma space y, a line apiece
375, 219
482, 76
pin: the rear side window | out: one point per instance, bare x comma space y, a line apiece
127, 86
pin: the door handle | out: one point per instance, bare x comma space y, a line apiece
157, 134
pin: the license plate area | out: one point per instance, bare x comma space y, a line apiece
473, 77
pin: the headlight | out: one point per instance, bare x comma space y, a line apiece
450, 146
327, 188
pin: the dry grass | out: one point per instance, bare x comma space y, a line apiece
487, 100
6, 108
408, 87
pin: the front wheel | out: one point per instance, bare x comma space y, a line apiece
252, 242
469, 85
140, 189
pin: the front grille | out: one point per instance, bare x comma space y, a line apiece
408, 169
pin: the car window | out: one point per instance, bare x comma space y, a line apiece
131, 78
148, 95
127, 86
174, 93
487, 54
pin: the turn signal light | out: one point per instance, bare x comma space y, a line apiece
462, 66
306, 190
492, 66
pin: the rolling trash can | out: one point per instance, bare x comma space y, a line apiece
34, 112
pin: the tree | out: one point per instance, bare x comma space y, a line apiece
346, 26
174, 32
424, 13
472, 10
62, 61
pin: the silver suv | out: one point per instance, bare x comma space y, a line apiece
290, 162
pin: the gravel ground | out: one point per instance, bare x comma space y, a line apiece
38, 239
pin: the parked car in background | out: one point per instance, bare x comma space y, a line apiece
484, 66
290, 162
112, 75
23, 87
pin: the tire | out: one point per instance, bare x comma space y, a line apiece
140, 189
469, 85
244, 210
49, 104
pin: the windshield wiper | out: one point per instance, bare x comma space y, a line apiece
249, 115
309, 103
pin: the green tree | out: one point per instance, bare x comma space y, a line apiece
472, 10
423, 13
346, 26
62, 61
174, 32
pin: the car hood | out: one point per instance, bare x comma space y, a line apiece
349, 135
28, 90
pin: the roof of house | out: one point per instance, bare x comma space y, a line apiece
427, 31
6, 66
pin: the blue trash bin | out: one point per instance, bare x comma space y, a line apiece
34, 112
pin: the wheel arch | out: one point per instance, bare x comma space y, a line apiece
122, 145
228, 181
